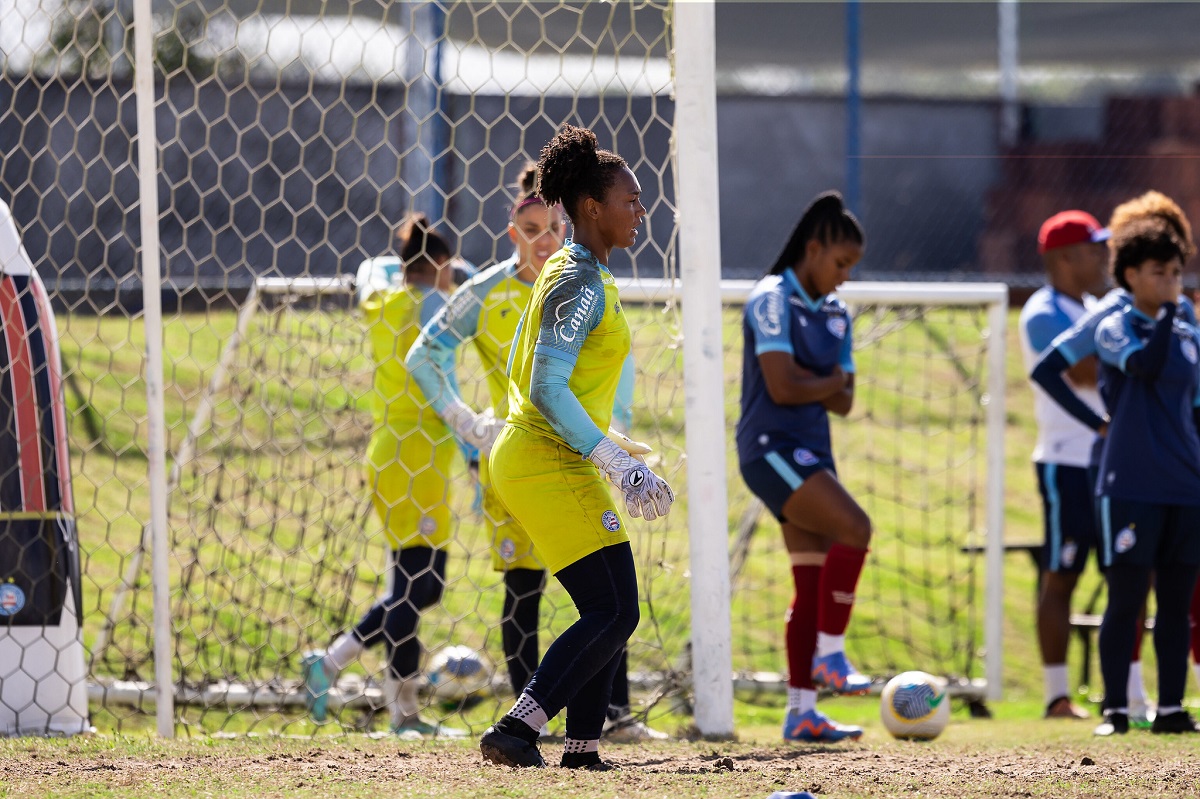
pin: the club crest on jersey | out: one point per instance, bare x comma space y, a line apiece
611, 521
1189, 349
768, 313
837, 326
1112, 336
12, 599
427, 525
507, 549
804, 457
1125, 540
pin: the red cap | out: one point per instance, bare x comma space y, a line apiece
1070, 227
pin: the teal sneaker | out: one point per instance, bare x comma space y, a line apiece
815, 726
316, 684
418, 729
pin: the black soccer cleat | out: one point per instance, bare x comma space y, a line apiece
1114, 724
509, 750
1179, 721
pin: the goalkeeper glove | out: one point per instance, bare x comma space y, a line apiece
477, 429
646, 494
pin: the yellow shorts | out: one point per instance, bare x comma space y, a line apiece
410, 481
561, 499
511, 546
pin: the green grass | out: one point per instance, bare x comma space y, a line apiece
274, 548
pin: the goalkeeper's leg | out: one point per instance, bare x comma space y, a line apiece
519, 626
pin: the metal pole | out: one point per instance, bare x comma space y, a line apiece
993, 627
1009, 57
156, 444
853, 107
703, 368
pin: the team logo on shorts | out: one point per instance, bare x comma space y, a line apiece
804, 457
12, 599
837, 326
427, 526
1125, 540
1189, 349
1069, 550
507, 549
611, 521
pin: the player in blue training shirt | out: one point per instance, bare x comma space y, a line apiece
1072, 247
1149, 479
1077, 345
797, 367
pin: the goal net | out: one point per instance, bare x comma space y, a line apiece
290, 147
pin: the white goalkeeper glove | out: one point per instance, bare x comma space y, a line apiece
646, 494
477, 429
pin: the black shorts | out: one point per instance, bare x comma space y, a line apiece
1148, 534
1069, 516
774, 477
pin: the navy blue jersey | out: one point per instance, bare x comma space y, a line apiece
781, 317
1152, 452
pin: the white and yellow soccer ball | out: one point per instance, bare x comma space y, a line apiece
914, 705
457, 672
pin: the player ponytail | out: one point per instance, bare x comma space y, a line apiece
572, 167
1149, 227
526, 187
826, 220
422, 249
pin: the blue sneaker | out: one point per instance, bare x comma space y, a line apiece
813, 725
316, 684
836, 673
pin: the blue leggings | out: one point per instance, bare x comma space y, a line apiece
577, 670
417, 580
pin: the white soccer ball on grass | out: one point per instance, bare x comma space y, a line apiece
914, 705
457, 672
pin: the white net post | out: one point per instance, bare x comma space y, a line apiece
703, 362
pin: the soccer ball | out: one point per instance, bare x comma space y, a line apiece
914, 705
457, 672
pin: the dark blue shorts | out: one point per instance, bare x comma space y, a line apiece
774, 477
1148, 534
1069, 516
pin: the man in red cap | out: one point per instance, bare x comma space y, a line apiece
1072, 245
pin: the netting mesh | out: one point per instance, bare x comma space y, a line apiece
290, 147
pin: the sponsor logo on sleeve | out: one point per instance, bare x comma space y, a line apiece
1189, 350
571, 314
1125, 540
768, 313
1112, 336
611, 521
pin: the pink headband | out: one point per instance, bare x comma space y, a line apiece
528, 201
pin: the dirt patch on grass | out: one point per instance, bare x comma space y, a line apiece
357, 767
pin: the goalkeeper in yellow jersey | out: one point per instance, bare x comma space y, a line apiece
485, 313
550, 462
408, 461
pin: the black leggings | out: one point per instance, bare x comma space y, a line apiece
523, 589
1127, 587
416, 582
577, 671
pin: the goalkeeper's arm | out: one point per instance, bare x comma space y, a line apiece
646, 494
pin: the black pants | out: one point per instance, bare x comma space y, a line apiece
416, 582
577, 670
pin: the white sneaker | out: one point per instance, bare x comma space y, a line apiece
628, 729
1141, 715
